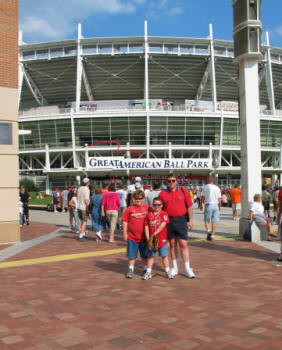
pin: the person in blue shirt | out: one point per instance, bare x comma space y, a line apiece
98, 221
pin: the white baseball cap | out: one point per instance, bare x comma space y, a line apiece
138, 179
85, 180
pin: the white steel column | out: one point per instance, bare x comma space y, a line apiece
250, 133
20, 69
86, 158
78, 69
280, 163
47, 185
221, 139
269, 78
146, 88
73, 140
210, 152
169, 151
128, 156
212, 71
47, 158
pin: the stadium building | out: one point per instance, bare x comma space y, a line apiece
112, 108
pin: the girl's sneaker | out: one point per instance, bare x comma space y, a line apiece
169, 275
147, 275
173, 272
190, 273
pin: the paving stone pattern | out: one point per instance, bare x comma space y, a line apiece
85, 304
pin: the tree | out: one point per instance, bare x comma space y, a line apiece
29, 185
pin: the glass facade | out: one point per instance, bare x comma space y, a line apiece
163, 129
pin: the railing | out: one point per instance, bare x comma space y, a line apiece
188, 108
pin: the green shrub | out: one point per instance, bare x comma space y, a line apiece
29, 185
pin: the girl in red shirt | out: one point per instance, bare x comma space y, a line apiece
155, 224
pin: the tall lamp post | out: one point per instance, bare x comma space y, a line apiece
247, 41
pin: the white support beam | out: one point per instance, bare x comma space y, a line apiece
269, 78
25, 163
47, 158
79, 69
212, 70
280, 163
221, 138
262, 73
203, 82
73, 141
86, 84
146, 90
39, 162
20, 71
33, 88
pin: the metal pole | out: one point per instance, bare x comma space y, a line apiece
47, 158
221, 138
212, 72
268, 77
146, 88
78, 69
280, 163
73, 140
20, 69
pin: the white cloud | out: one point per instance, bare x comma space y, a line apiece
57, 19
44, 20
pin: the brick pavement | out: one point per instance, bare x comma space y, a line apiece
235, 303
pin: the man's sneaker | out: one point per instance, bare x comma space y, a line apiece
190, 273
147, 275
169, 275
280, 257
130, 273
209, 237
173, 272
82, 239
99, 235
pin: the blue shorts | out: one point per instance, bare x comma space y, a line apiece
211, 213
177, 227
163, 251
133, 247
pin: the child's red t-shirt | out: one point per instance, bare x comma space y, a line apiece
154, 220
135, 217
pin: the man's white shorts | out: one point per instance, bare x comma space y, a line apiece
236, 206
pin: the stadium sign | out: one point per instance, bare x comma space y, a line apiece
119, 163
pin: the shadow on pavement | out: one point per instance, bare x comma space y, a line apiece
245, 252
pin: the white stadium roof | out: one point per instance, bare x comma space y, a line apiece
114, 70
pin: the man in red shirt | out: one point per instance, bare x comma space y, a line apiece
133, 226
279, 221
177, 203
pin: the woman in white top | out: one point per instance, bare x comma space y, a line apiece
73, 207
257, 215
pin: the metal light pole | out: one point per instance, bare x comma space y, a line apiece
247, 34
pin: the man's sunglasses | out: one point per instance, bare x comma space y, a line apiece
171, 181
157, 205
139, 199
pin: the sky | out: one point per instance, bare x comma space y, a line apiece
51, 20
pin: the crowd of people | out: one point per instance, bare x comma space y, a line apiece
163, 211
